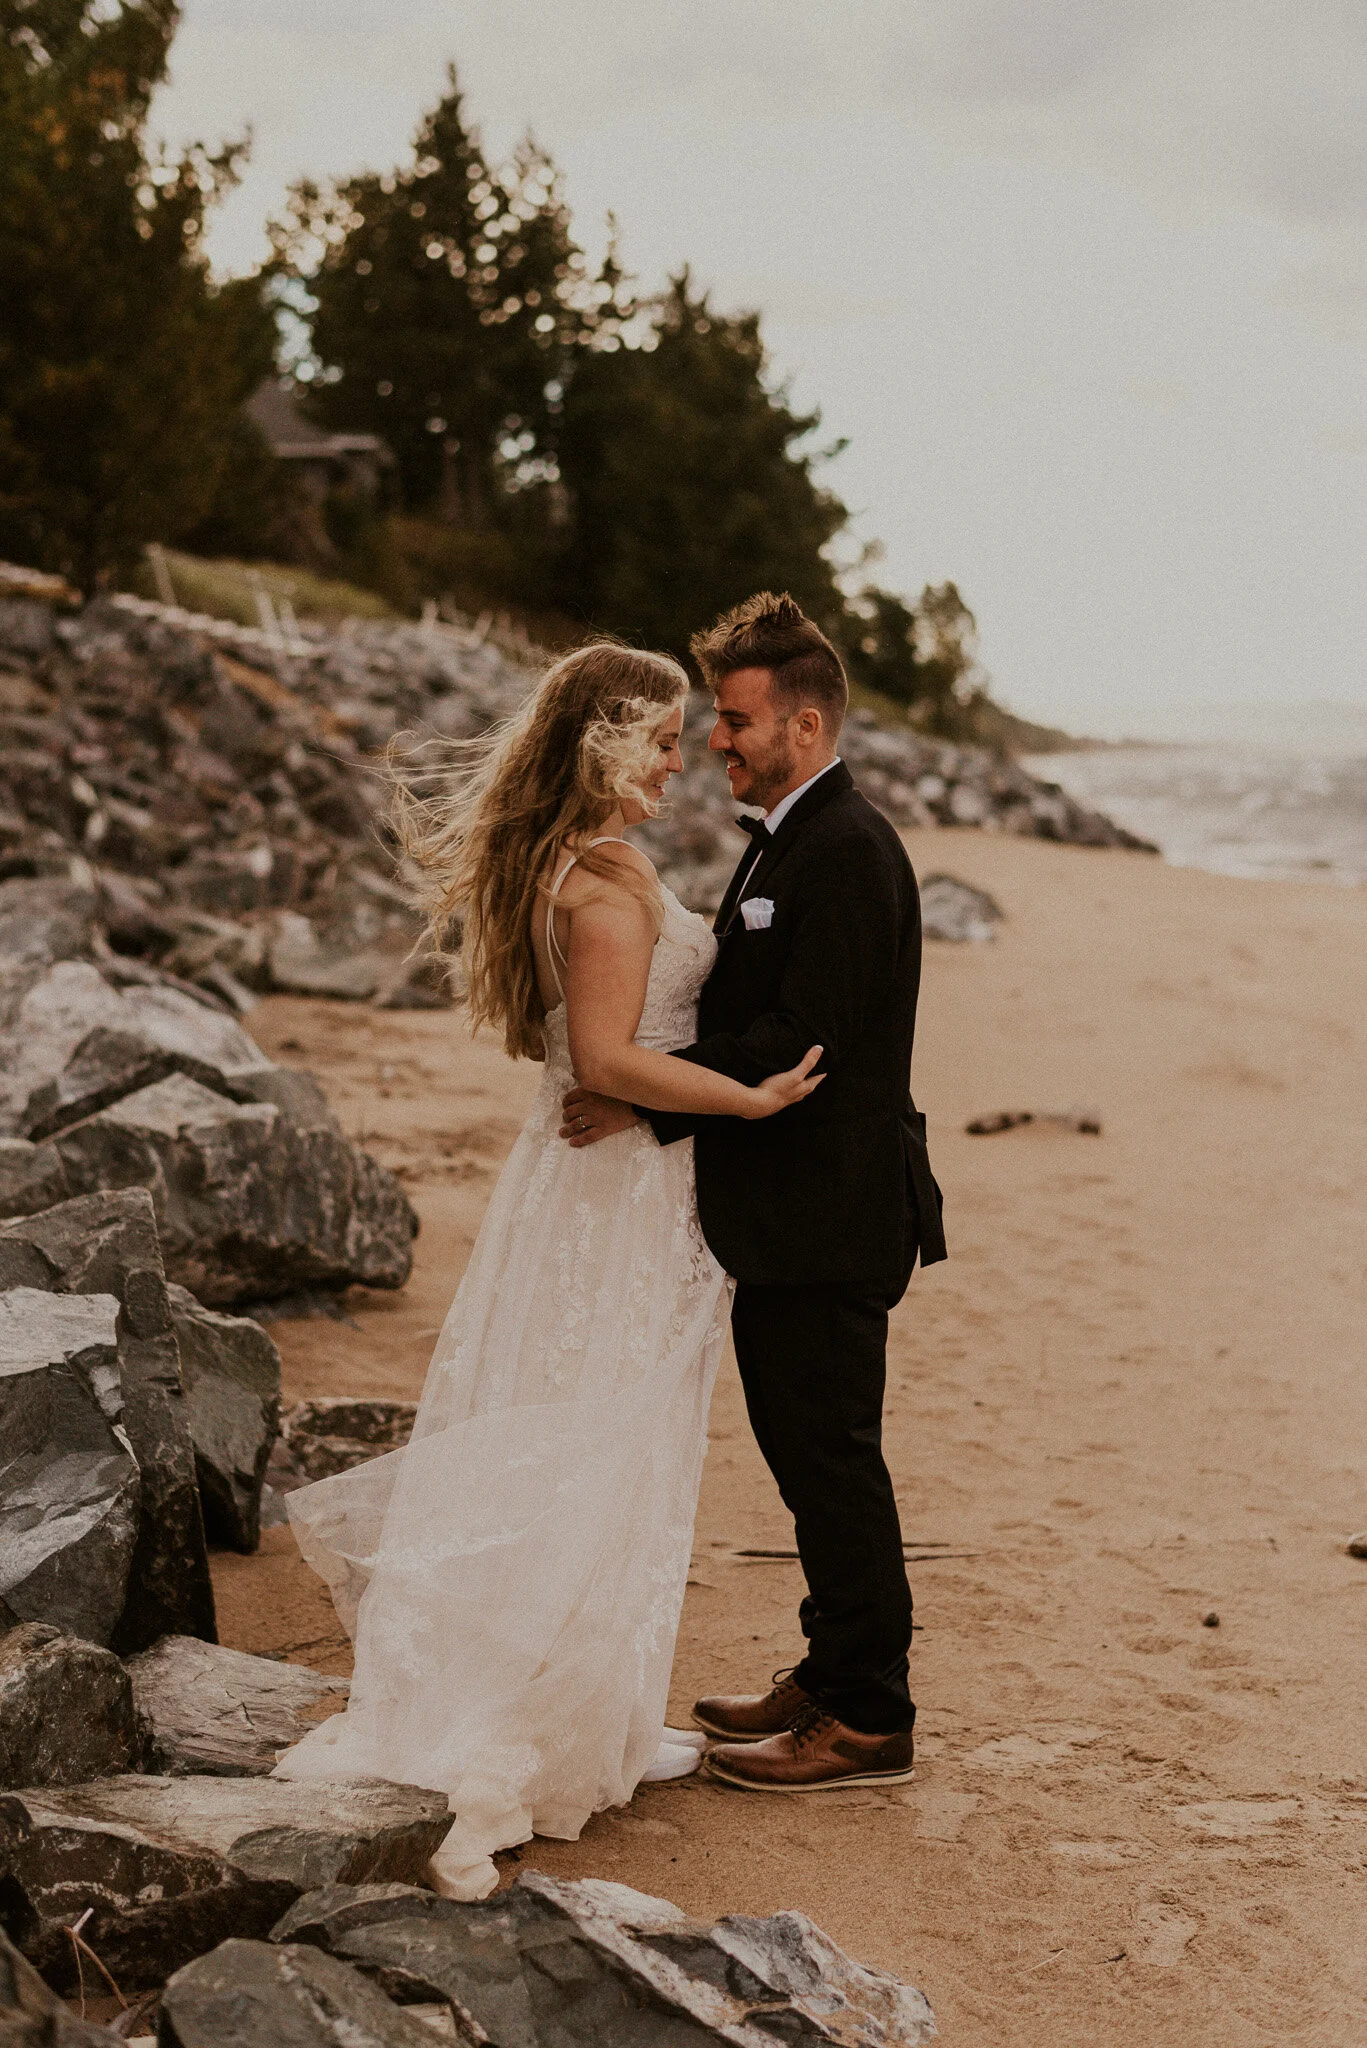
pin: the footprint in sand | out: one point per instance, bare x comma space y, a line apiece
1097, 1855
1233, 1820
1161, 1937
1028, 1752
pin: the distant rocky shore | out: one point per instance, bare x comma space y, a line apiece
220, 787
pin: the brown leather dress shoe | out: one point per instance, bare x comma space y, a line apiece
753, 1717
816, 1754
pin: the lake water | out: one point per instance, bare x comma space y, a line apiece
1237, 811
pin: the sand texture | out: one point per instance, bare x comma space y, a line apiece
1136, 1395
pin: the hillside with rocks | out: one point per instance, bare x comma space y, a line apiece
221, 789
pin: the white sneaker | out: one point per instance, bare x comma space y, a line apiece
672, 1760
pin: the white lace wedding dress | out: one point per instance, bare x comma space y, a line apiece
513, 1579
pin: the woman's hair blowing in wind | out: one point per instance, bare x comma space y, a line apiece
483, 841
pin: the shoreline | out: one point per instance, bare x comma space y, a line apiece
1134, 1395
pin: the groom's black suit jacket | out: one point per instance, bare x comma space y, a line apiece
837, 1189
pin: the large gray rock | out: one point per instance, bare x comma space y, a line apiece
60, 1008
956, 911
66, 1710
70, 1489
552, 1964
32, 2016
301, 965
230, 1370
107, 1243
104, 1067
173, 1865
249, 1202
248, 1994
221, 1712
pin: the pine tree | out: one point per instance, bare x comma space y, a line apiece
121, 364
688, 485
442, 298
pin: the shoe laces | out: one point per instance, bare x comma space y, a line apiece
810, 1724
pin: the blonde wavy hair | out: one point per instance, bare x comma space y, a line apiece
484, 840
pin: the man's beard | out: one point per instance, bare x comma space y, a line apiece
769, 775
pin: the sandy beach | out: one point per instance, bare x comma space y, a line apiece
1133, 1399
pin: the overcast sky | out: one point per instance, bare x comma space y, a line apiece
1084, 282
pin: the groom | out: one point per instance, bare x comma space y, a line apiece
818, 1213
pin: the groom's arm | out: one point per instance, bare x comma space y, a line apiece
841, 962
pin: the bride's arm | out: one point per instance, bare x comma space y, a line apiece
611, 943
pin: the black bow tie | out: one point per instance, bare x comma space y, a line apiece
754, 826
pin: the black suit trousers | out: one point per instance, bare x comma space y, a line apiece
813, 1362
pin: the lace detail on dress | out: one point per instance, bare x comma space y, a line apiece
513, 1579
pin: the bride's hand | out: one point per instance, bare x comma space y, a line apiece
780, 1091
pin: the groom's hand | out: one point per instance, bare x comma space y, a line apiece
589, 1117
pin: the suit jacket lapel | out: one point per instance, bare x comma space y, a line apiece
835, 782
726, 910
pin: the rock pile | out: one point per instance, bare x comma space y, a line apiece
548, 1964
114, 1074
187, 1871
595, 1965
221, 789
155, 1169
173, 1866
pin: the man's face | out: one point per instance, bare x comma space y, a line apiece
754, 738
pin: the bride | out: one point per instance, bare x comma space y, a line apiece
513, 1579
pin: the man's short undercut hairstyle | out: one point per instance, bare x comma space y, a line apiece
775, 633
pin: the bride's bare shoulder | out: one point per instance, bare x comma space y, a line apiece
612, 867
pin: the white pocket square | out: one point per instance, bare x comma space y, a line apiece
758, 913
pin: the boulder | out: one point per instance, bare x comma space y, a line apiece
66, 1710
32, 1177
249, 1993
230, 1370
32, 2016
104, 1067
299, 1094
61, 1008
222, 1713
171, 1866
45, 920
593, 1965
335, 1432
302, 965
107, 1243
70, 1488
249, 1202
954, 910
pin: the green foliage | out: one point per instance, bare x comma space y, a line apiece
564, 452
441, 300
254, 507
924, 658
121, 364
687, 483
